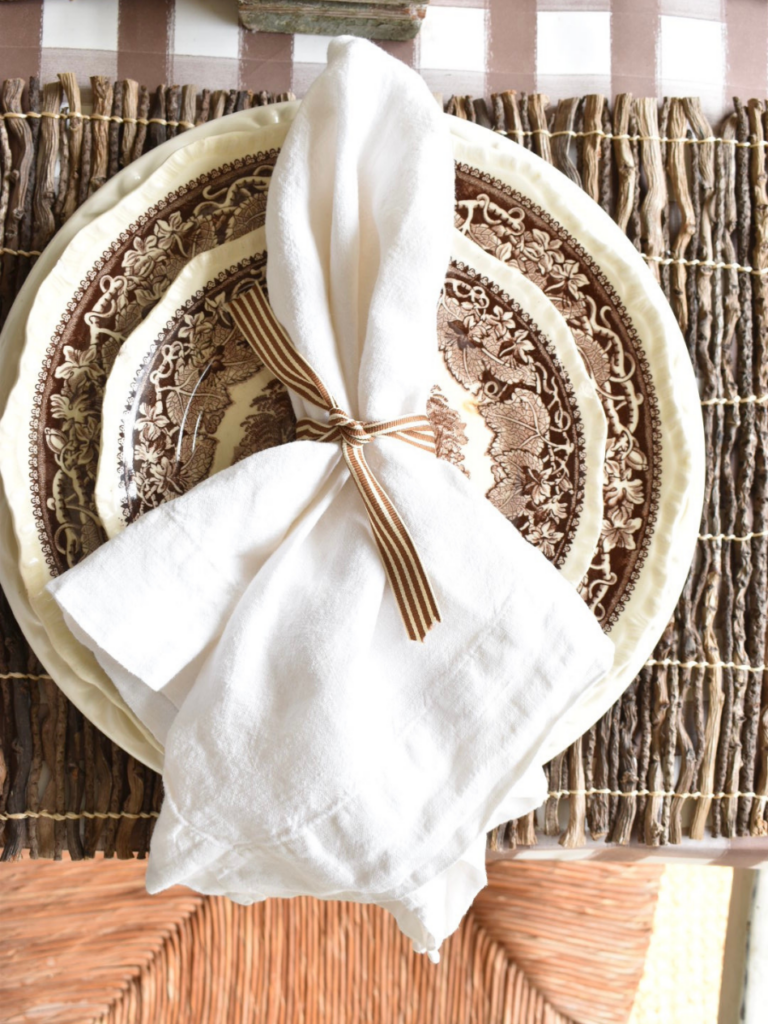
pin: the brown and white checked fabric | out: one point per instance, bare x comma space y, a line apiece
714, 49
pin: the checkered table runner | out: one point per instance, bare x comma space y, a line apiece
714, 49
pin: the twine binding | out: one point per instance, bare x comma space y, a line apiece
760, 535
674, 663
594, 133
24, 675
597, 133
552, 794
81, 816
77, 115
30, 253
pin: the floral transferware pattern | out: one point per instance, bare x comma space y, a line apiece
537, 480
494, 350
119, 291
449, 428
508, 368
184, 387
514, 230
273, 422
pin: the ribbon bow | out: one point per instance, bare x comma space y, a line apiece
407, 576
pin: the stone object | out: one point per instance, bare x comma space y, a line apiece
374, 19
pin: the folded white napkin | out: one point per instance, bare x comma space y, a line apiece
317, 749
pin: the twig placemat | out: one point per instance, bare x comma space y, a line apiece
684, 753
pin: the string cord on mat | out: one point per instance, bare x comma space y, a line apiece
76, 115
759, 535
67, 115
556, 794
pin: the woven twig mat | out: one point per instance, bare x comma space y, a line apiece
685, 751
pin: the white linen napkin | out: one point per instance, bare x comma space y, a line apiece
318, 750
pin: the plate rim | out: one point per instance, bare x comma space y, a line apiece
120, 726
679, 550
681, 495
524, 293
204, 268
201, 269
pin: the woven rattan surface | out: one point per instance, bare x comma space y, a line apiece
181, 957
685, 751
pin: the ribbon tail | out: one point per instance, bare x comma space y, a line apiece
405, 572
407, 577
269, 340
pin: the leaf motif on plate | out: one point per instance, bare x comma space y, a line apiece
197, 466
272, 424
239, 364
484, 236
249, 216
513, 373
499, 354
465, 359
91, 535
449, 428
544, 251
202, 237
520, 424
509, 497
174, 406
510, 462
597, 360
121, 288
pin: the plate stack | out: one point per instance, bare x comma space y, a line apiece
374, 19
563, 389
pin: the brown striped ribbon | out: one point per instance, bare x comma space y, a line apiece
407, 576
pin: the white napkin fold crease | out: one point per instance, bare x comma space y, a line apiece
311, 748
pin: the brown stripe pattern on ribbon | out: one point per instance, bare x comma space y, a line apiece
405, 572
